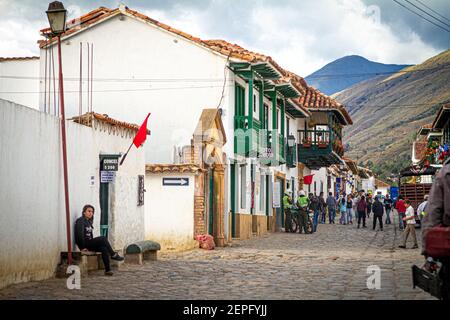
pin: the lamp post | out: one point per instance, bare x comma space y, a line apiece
291, 141
56, 15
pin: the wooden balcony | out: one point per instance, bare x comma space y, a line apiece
319, 148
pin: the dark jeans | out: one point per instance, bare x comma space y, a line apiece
324, 214
316, 220
331, 214
302, 219
388, 216
287, 221
101, 244
380, 220
362, 215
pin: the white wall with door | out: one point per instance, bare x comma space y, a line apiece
32, 219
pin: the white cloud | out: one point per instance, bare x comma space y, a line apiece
301, 36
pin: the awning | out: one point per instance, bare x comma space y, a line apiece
418, 171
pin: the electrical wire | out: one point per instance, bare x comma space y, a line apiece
429, 14
199, 80
423, 4
409, 9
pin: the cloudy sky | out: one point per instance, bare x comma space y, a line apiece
301, 35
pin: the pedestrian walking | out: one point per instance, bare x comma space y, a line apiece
362, 211
401, 209
410, 228
369, 205
314, 206
378, 210
438, 214
388, 208
422, 207
349, 209
331, 205
85, 240
323, 206
343, 210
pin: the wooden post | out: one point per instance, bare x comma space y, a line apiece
219, 192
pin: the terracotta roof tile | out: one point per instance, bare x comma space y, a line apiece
4, 59
311, 98
86, 119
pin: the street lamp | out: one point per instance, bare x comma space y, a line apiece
56, 15
291, 141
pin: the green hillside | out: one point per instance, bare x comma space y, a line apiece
388, 111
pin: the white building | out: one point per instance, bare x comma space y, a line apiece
124, 64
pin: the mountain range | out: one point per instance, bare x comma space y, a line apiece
347, 71
388, 110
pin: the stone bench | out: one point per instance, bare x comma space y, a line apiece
138, 252
86, 261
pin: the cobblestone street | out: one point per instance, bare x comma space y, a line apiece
330, 264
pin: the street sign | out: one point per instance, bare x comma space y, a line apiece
110, 164
176, 182
107, 176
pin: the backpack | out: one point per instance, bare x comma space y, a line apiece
361, 206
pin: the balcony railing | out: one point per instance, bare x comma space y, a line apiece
246, 137
319, 148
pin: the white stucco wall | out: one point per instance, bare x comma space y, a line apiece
24, 87
169, 213
183, 79
32, 210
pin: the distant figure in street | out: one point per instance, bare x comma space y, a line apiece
410, 228
369, 205
349, 209
388, 208
362, 211
85, 240
323, 206
331, 205
401, 209
343, 210
378, 211
287, 205
422, 207
438, 213
314, 205
303, 204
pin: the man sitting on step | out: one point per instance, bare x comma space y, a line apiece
85, 240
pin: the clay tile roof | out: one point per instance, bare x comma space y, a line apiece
4, 59
172, 168
86, 119
310, 98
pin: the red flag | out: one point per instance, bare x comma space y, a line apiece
141, 135
308, 179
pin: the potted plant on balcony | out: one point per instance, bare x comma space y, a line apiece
306, 143
322, 144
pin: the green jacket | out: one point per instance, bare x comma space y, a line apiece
303, 201
287, 202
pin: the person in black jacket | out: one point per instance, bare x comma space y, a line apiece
378, 210
85, 240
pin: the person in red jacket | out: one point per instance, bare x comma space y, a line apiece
401, 209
